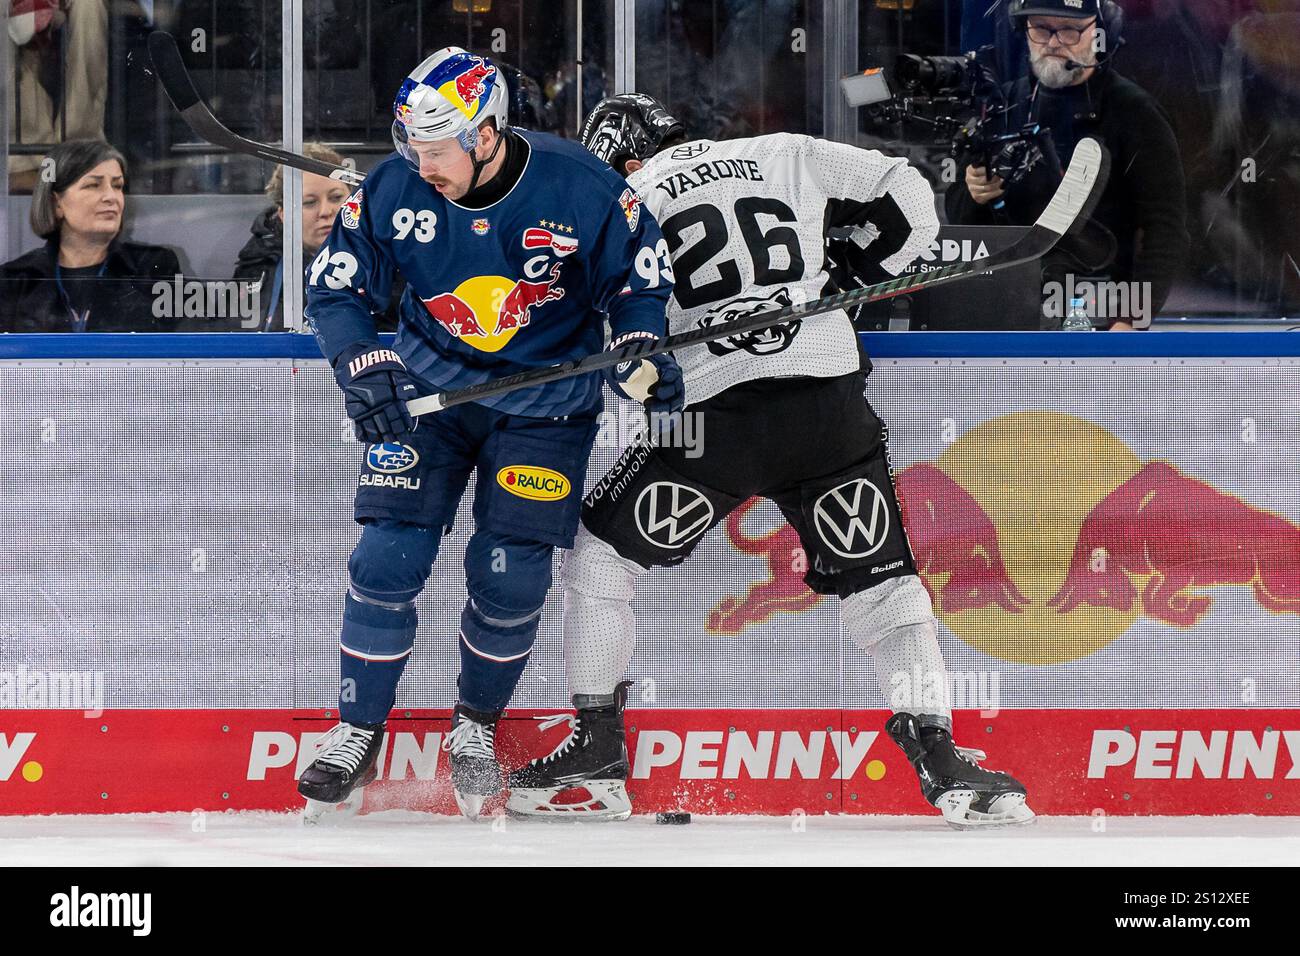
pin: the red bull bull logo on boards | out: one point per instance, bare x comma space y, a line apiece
1051, 563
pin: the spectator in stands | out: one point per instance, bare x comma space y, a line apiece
260, 259
54, 89
1073, 91
86, 278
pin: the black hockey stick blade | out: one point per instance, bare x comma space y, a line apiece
1073, 201
180, 89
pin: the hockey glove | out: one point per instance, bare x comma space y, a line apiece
655, 382
376, 388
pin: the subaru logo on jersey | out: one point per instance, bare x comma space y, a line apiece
391, 458
852, 518
350, 211
690, 150
668, 514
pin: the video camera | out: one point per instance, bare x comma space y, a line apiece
960, 100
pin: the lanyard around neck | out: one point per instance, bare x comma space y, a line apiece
79, 319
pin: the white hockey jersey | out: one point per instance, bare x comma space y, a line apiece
746, 222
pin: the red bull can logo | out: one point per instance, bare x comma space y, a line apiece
485, 312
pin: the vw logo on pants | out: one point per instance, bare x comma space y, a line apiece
668, 514
852, 518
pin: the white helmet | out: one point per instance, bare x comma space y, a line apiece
448, 95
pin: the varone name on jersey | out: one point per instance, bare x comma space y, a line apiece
745, 221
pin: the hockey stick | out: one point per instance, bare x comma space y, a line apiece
179, 87
1072, 204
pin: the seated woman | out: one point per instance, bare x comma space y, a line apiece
86, 278
260, 259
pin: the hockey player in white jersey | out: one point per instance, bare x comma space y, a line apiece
784, 417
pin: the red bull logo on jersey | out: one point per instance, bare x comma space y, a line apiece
1050, 564
486, 312
631, 204
350, 211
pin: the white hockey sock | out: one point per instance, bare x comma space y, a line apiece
599, 627
894, 622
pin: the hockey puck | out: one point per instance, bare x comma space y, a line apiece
672, 819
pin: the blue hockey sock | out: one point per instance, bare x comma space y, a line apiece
494, 649
374, 648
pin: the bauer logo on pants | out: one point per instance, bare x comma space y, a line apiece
536, 484
668, 514
852, 518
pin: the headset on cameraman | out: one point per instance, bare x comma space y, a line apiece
1110, 18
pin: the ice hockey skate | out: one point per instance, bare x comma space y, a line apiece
475, 772
335, 783
968, 796
592, 758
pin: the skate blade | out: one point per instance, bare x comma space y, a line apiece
471, 804
318, 813
607, 800
1007, 810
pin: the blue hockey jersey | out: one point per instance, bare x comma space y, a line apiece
522, 283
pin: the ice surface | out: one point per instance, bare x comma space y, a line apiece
405, 838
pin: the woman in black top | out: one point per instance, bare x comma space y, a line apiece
86, 278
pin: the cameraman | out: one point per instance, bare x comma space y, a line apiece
1073, 92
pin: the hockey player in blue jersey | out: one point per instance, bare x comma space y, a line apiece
516, 248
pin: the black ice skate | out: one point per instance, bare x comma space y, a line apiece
592, 758
345, 763
475, 773
951, 779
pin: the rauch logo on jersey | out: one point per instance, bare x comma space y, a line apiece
537, 484
668, 514
852, 518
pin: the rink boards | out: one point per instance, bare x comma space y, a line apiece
1113, 543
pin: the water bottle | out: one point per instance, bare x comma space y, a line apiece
1077, 319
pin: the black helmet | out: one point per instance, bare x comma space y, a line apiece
630, 126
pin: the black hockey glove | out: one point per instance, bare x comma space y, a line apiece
655, 382
376, 388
